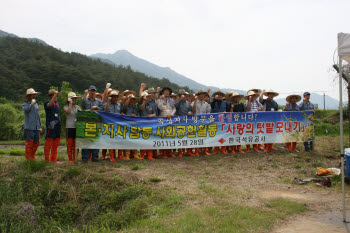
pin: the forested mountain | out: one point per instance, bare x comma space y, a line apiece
25, 64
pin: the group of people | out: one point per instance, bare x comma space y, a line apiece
162, 102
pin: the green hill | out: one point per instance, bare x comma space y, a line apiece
25, 64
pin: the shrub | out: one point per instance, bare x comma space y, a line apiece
8, 124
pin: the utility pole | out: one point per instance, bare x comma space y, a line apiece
324, 101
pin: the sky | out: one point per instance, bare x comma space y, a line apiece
283, 45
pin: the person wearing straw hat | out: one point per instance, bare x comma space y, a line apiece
200, 106
292, 105
32, 123
217, 106
71, 111
253, 105
306, 105
130, 109
149, 110
53, 126
113, 106
183, 107
90, 102
269, 105
174, 97
236, 106
166, 106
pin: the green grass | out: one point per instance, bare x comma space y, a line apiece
155, 179
224, 218
72, 200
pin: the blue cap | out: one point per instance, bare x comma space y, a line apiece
306, 93
92, 88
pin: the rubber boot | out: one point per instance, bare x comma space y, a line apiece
29, 149
150, 154
271, 147
120, 154
294, 146
75, 151
205, 151
216, 150
196, 151
210, 149
289, 146
163, 153
35, 148
104, 154
135, 154
112, 155
127, 154
189, 152
179, 153
170, 154
155, 154
260, 147
70, 149
56, 143
239, 149
47, 148
267, 147
233, 150
143, 153
248, 148
223, 150
255, 148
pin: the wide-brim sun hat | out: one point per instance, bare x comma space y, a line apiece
52, 92
173, 95
201, 91
166, 88
292, 95
31, 91
266, 93
256, 90
251, 93
72, 95
152, 90
183, 92
218, 92
114, 92
127, 92
236, 94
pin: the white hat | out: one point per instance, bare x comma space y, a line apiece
72, 95
114, 92
266, 93
30, 91
251, 93
293, 95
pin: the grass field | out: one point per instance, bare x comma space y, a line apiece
252, 192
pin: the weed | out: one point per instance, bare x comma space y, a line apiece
155, 179
74, 171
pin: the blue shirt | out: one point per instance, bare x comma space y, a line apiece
129, 110
31, 116
183, 107
52, 113
148, 110
220, 106
86, 104
306, 106
292, 108
115, 108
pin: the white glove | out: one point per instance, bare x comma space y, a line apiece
70, 100
108, 85
33, 102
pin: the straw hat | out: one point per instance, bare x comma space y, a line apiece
127, 92
72, 95
266, 93
152, 90
201, 91
99, 94
51, 92
114, 92
183, 92
251, 93
131, 96
166, 88
234, 94
290, 96
218, 92
173, 95
144, 94
30, 91
255, 90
